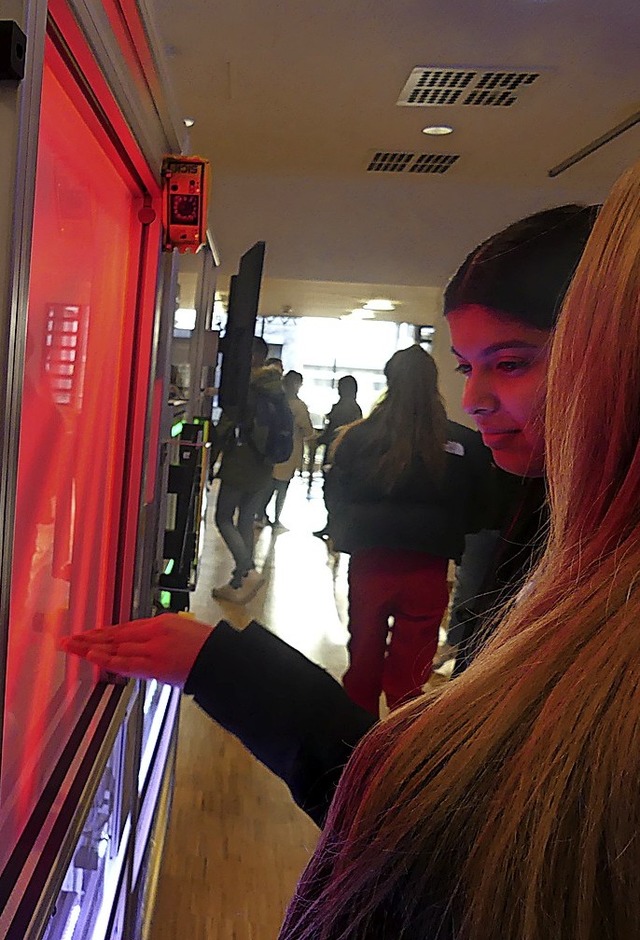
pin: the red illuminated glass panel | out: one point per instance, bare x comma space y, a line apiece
77, 373
66, 355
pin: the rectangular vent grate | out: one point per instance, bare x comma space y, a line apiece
389, 161
435, 87
433, 162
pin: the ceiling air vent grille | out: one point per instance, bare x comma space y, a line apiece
433, 162
434, 86
389, 161
384, 161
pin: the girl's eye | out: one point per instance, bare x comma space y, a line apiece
511, 365
464, 368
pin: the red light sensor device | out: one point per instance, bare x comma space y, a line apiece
185, 190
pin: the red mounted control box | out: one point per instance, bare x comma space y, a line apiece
185, 190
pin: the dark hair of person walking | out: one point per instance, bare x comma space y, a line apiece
409, 422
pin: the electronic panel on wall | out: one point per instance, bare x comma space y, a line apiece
185, 192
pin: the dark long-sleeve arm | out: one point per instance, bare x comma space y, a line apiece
291, 714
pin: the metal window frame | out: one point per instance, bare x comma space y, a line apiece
153, 123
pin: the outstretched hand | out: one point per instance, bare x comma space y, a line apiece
163, 648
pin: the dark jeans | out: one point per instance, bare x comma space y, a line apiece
238, 534
279, 487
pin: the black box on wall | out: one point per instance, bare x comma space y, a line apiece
13, 50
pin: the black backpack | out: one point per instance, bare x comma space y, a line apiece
272, 431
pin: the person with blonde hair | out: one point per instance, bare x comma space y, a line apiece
506, 805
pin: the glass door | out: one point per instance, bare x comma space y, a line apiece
85, 269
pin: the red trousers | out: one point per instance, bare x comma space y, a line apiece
411, 588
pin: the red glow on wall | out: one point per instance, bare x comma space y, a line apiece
75, 435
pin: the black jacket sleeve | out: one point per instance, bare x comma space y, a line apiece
291, 714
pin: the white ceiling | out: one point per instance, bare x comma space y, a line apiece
290, 98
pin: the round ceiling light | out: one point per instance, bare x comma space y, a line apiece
361, 313
189, 122
380, 304
438, 130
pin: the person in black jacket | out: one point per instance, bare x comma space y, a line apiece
405, 485
345, 411
245, 471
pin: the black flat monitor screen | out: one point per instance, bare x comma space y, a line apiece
244, 295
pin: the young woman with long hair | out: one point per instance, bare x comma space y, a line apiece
408, 423
405, 487
506, 805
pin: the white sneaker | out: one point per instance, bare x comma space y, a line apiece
251, 584
444, 655
228, 593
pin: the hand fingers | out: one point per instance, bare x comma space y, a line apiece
80, 645
124, 659
136, 667
87, 647
136, 630
81, 642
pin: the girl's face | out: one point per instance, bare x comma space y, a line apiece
505, 365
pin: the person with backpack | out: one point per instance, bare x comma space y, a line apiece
283, 471
262, 437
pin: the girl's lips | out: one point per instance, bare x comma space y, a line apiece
495, 438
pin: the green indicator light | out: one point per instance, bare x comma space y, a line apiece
176, 430
165, 599
169, 566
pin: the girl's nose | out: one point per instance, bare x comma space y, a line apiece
478, 396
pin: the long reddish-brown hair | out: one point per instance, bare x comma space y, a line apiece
513, 793
408, 422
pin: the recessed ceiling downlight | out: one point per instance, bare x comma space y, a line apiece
437, 130
360, 313
380, 304
189, 122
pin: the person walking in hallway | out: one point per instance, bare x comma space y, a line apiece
247, 465
345, 411
302, 431
404, 487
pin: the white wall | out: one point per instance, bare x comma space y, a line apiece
451, 382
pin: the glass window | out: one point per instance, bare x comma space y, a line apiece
84, 271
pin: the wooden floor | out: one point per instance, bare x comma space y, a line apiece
237, 843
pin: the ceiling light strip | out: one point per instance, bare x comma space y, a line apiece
595, 145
